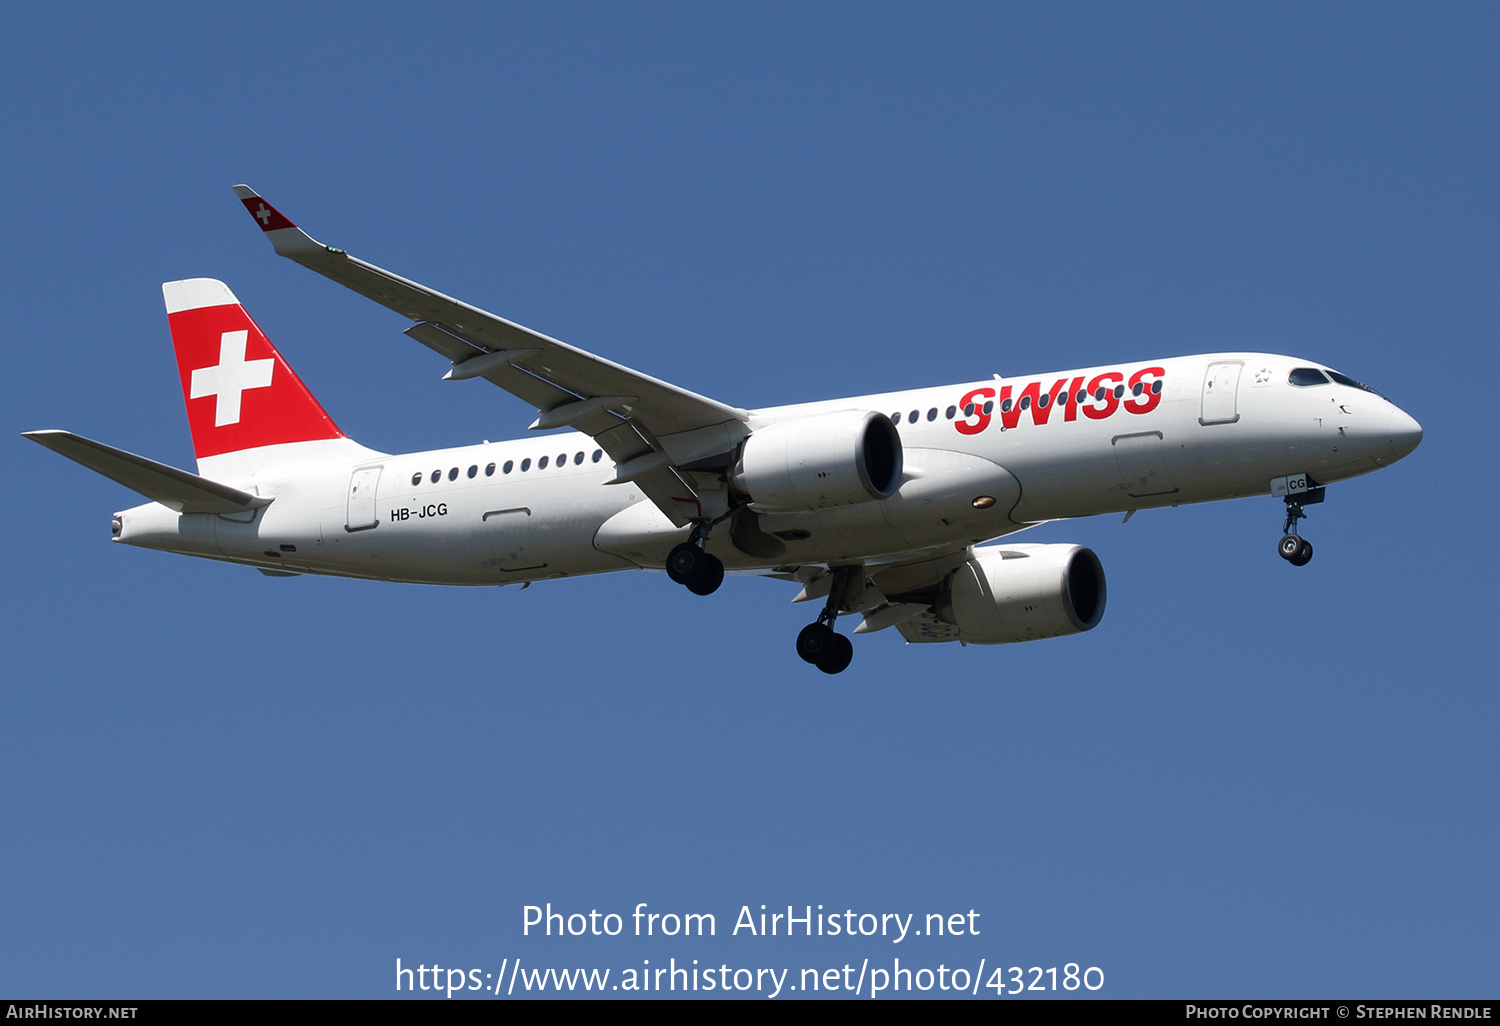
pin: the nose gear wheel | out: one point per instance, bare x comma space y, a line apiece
1295, 550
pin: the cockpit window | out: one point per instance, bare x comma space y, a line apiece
1304, 376
1345, 379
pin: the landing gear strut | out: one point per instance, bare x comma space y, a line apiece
818, 643
1293, 548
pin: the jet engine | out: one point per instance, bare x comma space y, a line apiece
1024, 592
819, 462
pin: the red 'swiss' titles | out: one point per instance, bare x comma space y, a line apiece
1102, 396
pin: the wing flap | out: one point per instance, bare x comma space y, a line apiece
177, 489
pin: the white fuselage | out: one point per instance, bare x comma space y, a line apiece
1218, 426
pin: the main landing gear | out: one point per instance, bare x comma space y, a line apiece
818, 643
692, 566
699, 571
702, 572
1293, 548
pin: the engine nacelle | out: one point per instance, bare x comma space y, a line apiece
819, 462
1012, 593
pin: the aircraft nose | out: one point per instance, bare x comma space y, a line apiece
1405, 433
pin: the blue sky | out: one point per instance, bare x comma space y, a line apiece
1248, 781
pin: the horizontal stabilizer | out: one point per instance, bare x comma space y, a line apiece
177, 489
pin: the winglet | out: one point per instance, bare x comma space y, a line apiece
286, 238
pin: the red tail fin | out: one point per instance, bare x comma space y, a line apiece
240, 393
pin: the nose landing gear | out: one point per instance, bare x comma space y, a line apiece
1293, 548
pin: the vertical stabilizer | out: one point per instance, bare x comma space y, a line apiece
240, 394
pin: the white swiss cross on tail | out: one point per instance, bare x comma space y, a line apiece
230, 379
223, 355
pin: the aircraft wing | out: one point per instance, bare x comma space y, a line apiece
628, 413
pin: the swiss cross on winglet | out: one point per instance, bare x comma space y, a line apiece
269, 218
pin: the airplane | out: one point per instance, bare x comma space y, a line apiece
892, 507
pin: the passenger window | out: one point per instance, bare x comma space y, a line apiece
562, 459
526, 464
453, 474
1302, 377
1156, 387
473, 470
952, 410
968, 409
989, 407
416, 479
489, 471
1041, 401
932, 413
437, 475
896, 418
541, 464
1099, 395
1137, 388
913, 415
577, 458
1119, 391
597, 454
1081, 396
507, 468
1025, 402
